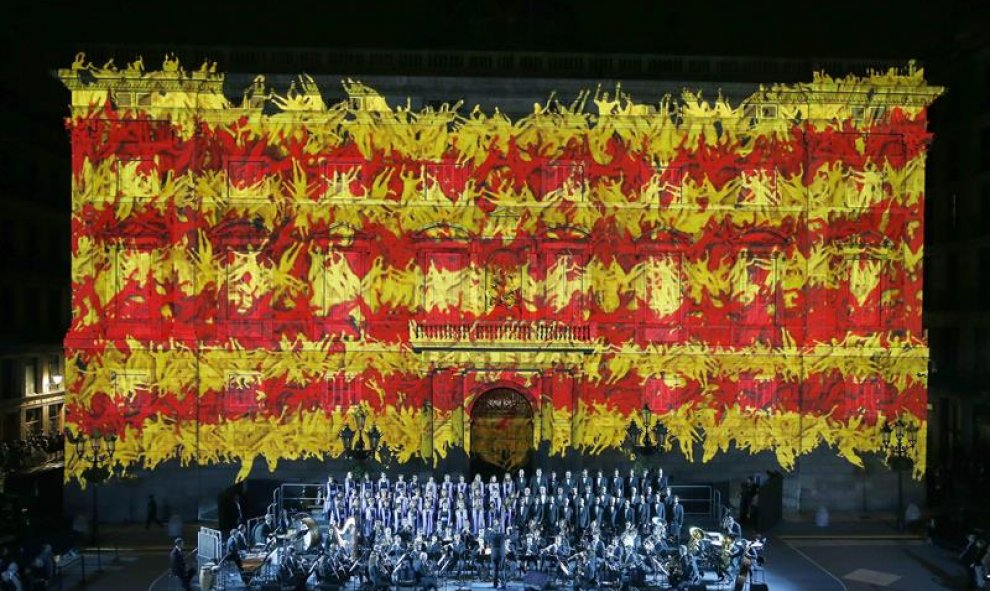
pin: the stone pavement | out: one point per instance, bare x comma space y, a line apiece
132, 559
869, 554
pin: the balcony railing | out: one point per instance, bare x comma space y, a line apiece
501, 334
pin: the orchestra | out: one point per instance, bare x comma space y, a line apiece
580, 531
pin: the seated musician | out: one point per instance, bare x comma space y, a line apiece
588, 575
259, 536
376, 574
425, 579
530, 552
689, 568
290, 569
457, 550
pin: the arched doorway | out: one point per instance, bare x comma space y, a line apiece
501, 432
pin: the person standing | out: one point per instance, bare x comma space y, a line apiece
496, 541
152, 513
677, 519
177, 566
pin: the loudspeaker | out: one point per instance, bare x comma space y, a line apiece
535, 581
758, 587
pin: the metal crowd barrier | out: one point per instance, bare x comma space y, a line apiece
209, 545
698, 499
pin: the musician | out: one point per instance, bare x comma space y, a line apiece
457, 550
553, 484
677, 519
462, 488
426, 515
524, 508
580, 483
492, 514
382, 484
445, 516
600, 482
588, 578
496, 541
541, 506
424, 573
177, 566
690, 575
538, 482
508, 486
233, 553
643, 513
430, 488
376, 574
259, 536
521, 482
477, 488
477, 515
632, 481
290, 570
447, 487
507, 514
618, 484
582, 517
613, 515
400, 485
661, 480
530, 551
461, 518
732, 527
567, 516
553, 512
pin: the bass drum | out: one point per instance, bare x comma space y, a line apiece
311, 536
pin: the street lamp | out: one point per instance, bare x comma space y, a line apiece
897, 440
654, 440
98, 454
357, 450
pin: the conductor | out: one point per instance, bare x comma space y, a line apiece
496, 541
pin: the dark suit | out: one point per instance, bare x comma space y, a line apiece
496, 541
677, 521
178, 568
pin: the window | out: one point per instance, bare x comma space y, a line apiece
565, 283
241, 394
448, 281
8, 379
129, 384
138, 178
661, 291
341, 292
247, 180
444, 182
755, 393
503, 281
861, 291
755, 285
31, 377
340, 393
248, 286
668, 390
757, 188
665, 187
344, 179
869, 394
564, 180
135, 285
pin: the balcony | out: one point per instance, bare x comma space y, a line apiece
509, 334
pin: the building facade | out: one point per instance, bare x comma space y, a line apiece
249, 271
34, 270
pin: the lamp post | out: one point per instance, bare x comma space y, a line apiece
358, 450
98, 453
897, 440
654, 439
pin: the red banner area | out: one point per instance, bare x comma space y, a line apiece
243, 281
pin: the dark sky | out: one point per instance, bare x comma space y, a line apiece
45, 35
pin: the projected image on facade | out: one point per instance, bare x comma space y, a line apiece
247, 272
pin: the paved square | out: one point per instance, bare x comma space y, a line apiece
872, 577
